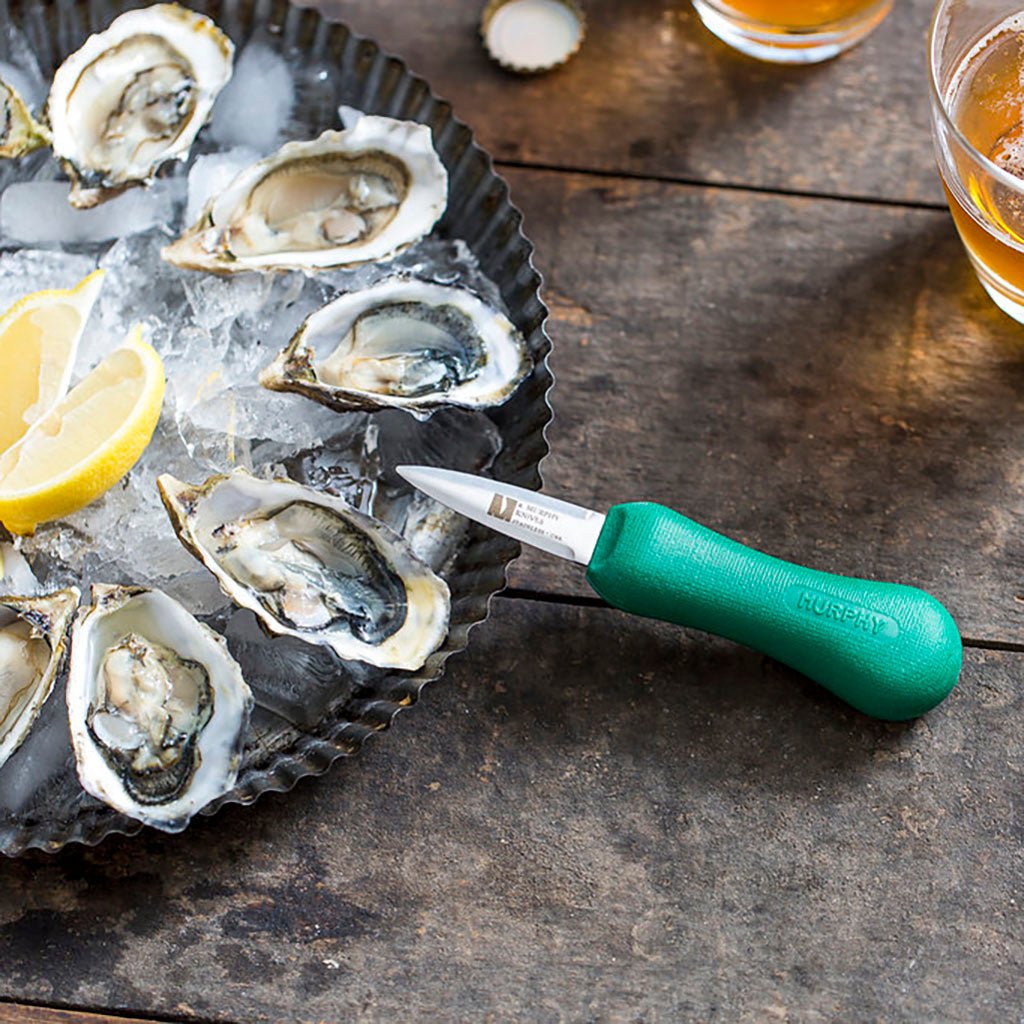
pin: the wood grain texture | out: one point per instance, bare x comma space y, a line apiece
823, 380
11, 1013
653, 93
599, 818
591, 818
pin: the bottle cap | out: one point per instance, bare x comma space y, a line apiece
530, 36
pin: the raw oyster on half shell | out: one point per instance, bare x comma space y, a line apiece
347, 197
33, 639
406, 343
135, 96
20, 133
157, 706
311, 566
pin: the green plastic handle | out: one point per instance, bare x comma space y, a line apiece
892, 652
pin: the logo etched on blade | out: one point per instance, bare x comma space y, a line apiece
502, 508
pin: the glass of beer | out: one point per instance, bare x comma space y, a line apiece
792, 31
976, 50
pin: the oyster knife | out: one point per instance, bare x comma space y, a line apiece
891, 651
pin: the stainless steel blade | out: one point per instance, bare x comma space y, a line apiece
559, 527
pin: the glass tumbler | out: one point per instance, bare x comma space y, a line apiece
792, 31
976, 54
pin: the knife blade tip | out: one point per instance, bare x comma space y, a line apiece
412, 474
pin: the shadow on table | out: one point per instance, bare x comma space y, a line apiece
576, 764
861, 417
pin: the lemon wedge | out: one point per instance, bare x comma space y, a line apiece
88, 442
39, 338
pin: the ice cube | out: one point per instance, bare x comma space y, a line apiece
139, 288
217, 299
243, 322
221, 427
100, 339
291, 299
348, 462
21, 69
348, 116
451, 262
38, 213
194, 368
16, 575
31, 270
21, 83
254, 107
212, 173
446, 261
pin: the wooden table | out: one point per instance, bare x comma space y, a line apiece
762, 316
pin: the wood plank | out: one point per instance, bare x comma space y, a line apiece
12, 1013
824, 380
592, 817
653, 93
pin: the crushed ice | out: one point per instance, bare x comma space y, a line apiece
256, 104
214, 335
16, 576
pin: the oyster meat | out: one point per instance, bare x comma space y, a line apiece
33, 638
134, 97
406, 343
20, 133
311, 566
157, 706
347, 197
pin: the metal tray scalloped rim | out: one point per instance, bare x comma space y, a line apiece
354, 71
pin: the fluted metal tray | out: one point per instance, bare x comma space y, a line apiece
356, 72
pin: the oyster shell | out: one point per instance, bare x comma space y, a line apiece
135, 96
406, 343
20, 133
347, 197
157, 707
33, 638
311, 566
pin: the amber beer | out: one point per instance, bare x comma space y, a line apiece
792, 31
799, 14
985, 100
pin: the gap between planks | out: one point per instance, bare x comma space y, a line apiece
725, 186
583, 601
32, 1013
